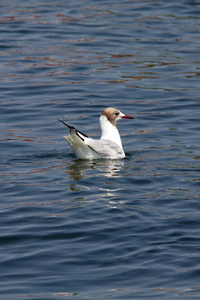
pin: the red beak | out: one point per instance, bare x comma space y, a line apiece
127, 117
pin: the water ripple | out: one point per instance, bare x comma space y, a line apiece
99, 229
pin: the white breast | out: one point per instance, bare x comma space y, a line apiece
110, 131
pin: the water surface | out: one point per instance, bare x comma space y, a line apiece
126, 229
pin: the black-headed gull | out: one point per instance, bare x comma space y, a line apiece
108, 147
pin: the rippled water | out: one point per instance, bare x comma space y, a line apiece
126, 229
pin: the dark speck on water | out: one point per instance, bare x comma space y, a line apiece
115, 229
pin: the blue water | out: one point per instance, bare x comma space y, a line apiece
127, 229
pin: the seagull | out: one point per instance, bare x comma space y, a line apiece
109, 146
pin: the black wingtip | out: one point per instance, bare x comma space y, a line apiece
70, 127
77, 131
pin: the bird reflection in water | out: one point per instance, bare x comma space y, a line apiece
82, 168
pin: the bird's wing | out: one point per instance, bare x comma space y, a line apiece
105, 148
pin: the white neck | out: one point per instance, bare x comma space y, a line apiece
109, 131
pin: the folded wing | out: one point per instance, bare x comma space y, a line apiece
106, 148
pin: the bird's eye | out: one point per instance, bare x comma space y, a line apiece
116, 113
